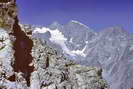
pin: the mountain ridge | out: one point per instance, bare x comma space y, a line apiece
107, 49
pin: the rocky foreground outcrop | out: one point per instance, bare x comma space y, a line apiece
54, 71
51, 70
26, 63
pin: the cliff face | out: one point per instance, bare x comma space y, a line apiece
22, 47
26, 63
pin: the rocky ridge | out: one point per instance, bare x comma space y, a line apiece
57, 72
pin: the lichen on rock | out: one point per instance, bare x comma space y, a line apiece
8, 13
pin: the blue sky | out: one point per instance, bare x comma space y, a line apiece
97, 14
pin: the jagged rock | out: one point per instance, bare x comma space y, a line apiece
8, 13
8, 78
54, 71
27, 29
7, 74
6, 54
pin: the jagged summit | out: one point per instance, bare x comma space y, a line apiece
115, 30
77, 23
55, 25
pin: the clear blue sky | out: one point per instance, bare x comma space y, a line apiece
97, 14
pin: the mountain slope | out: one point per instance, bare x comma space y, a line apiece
110, 49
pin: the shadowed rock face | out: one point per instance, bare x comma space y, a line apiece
5, 1
22, 47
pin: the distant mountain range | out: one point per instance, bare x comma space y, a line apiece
110, 49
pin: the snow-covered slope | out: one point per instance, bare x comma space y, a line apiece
69, 39
111, 49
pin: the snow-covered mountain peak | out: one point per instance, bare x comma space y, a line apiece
78, 24
115, 30
115, 33
71, 39
55, 25
110, 49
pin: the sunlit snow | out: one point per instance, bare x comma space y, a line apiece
80, 52
58, 38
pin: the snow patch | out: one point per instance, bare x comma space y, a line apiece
80, 52
74, 21
58, 38
71, 40
86, 42
40, 30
